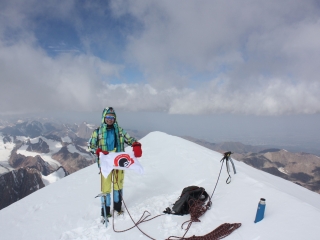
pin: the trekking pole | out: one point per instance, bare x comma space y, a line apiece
228, 170
234, 168
226, 156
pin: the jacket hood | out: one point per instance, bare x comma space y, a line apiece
108, 110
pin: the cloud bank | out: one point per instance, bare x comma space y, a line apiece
191, 57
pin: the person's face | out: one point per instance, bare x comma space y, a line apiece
109, 119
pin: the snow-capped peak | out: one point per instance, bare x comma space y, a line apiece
68, 208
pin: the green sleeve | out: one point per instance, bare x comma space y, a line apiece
127, 138
93, 142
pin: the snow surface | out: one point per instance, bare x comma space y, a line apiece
53, 177
67, 209
91, 126
281, 169
66, 139
5, 152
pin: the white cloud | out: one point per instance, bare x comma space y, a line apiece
277, 98
252, 43
196, 57
32, 81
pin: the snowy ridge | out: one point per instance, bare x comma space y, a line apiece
91, 126
66, 139
53, 146
5, 151
67, 209
281, 169
54, 177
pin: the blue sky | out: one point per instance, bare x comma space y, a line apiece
204, 58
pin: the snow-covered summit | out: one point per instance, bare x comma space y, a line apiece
67, 209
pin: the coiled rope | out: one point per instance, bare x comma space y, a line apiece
196, 208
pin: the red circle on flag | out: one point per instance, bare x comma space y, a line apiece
123, 160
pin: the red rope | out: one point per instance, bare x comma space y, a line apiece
196, 208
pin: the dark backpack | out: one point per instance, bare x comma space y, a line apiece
187, 197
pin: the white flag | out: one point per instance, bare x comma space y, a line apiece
119, 160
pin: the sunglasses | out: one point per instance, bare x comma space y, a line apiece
110, 117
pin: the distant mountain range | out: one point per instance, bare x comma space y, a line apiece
32, 150
37, 152
42, 150
69, 210
300, 168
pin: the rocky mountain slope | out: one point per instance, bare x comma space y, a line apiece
300, 168
72, 162
35, 149
20, 161
42, 147
17, 184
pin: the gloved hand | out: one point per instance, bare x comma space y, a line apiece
136, 148
99, 150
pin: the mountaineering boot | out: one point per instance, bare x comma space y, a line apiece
117, 207
107, 211
120, 213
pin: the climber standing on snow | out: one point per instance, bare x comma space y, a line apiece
110, 137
